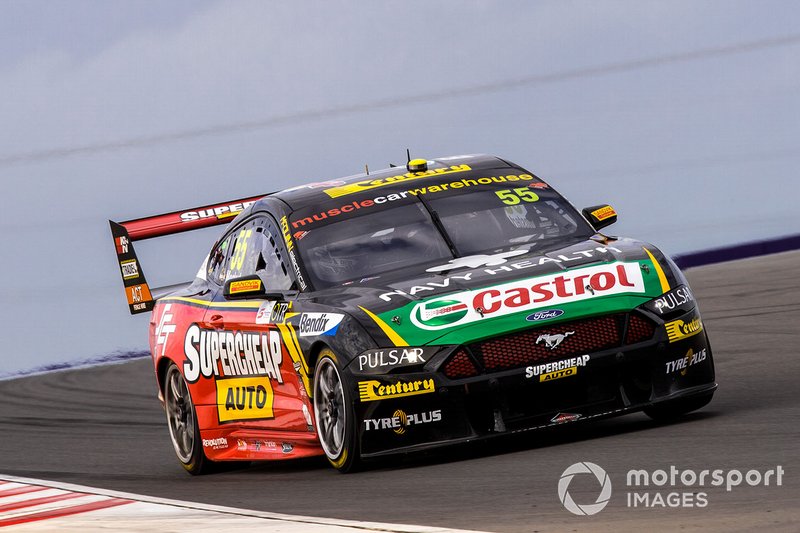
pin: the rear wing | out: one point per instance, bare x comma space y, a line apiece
140, 296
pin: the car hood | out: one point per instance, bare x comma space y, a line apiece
477, 297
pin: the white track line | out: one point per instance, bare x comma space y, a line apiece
147, 513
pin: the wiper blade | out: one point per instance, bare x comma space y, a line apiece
439, 226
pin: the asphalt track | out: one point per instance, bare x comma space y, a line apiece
103, 427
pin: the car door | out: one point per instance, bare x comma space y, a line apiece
261, 382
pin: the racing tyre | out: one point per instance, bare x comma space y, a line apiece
182, 423
334, 414
674, 408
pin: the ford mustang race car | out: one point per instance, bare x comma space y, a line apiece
453, 300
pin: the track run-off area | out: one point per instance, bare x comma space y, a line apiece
103, 427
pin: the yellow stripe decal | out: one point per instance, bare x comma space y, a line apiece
293, 336
208, 303
393, 336
661, 276
297, 356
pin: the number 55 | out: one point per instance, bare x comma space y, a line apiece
510, 197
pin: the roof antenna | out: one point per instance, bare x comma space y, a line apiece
366, 168
416, 165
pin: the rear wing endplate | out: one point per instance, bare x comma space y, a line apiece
138, 292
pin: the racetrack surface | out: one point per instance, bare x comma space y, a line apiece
104, 427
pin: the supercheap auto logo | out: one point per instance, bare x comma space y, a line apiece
248, 398
527, 295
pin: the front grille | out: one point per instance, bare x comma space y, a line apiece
460, 366
639, 330
530, 347
545, 344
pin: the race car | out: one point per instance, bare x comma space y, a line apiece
453, 300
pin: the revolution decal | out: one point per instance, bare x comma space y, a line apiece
370, 391
528, 294
678, 329
220, 443
244, 399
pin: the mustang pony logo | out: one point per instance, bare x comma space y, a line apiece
552, 341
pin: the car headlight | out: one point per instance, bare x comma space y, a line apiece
387, 360
677, 301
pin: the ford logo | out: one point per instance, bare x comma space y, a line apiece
544, 315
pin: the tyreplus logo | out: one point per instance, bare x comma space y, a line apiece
529, 295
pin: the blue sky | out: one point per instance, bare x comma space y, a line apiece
174, 104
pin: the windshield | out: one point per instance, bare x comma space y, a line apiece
409, 231
371, 245
492, 219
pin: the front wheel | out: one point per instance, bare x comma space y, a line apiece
182, 422
334, 413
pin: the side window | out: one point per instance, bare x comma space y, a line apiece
218, 261
254, 248
233, 257
269, 262
244, 245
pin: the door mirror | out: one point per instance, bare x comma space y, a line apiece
600, 216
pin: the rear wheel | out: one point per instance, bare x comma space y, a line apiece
182, 422
334, 414
674, 408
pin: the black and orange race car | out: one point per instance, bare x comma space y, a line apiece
452, 300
